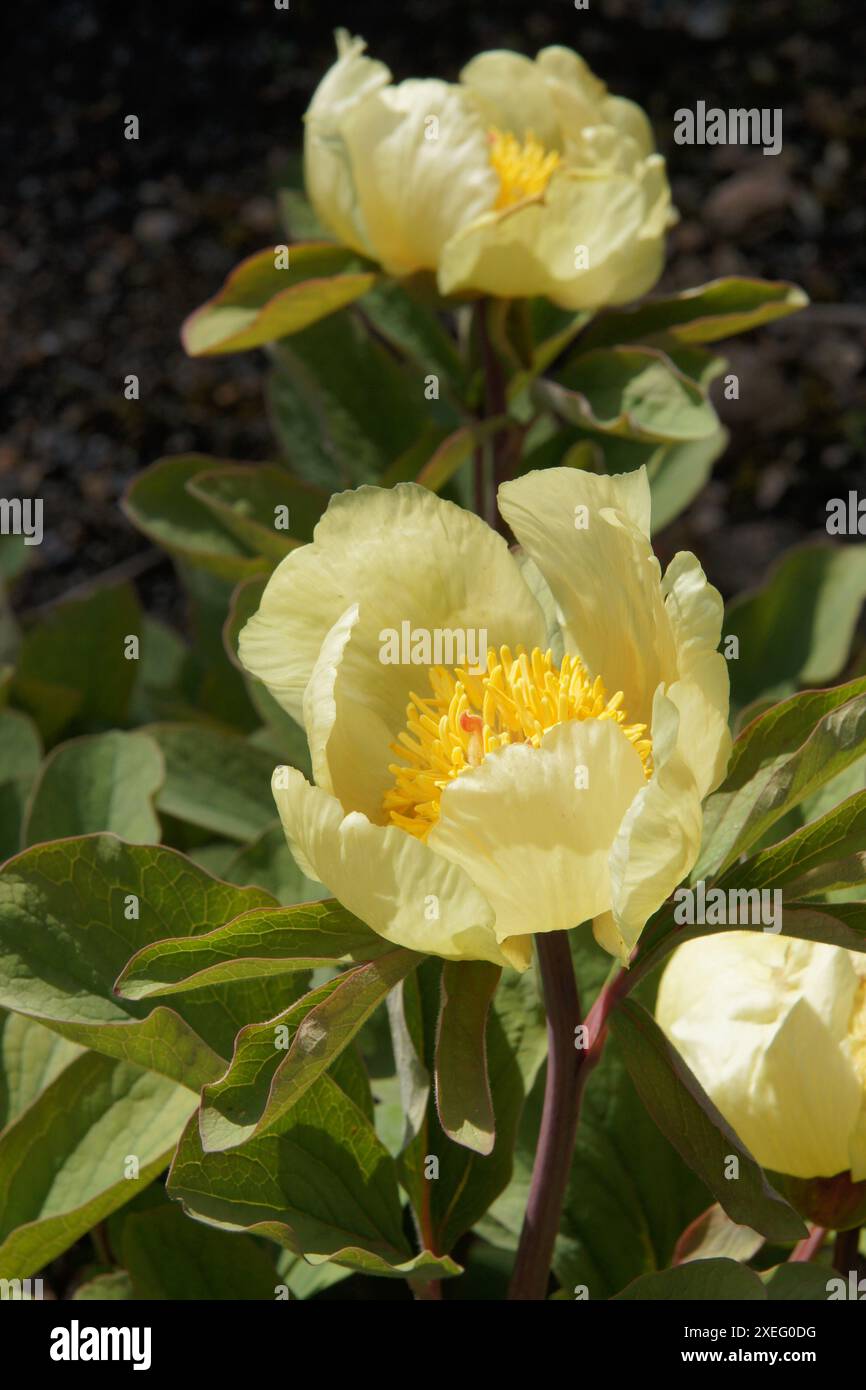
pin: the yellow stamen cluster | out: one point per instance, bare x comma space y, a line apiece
524, 169
468, 716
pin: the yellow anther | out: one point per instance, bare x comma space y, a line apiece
524, 169
467, 717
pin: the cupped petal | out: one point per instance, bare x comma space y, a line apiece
701, 691
589, 536
584, 243
420, 158
760, 1020
390, 880
401, 554
328, 173
514, 94
532, 827
658, 841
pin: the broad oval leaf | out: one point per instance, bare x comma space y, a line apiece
263, 300
463, 1098
72, 912
797, 628
159, 503
637, 393
324, 1187
99, 782
262, 942
266, 1078
704, 1279
719, 309
64, 1162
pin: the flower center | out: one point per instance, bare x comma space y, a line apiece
524, 170
468, 716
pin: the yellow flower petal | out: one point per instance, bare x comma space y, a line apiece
763, 1021
602, 572
529, 837
327, 169
388, 879
402, 555
420, 164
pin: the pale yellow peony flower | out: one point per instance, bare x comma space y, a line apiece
525, 178
456, 813
775, 1030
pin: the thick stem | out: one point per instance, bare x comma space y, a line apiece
558, 1121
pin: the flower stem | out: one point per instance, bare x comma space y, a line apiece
558, 1121
807, 1248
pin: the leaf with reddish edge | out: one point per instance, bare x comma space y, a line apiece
463, 1098
704, 314
687, 1117
259, 302
264, 1080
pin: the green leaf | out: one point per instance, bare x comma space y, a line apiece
30, 1058
636, 393
630, 1195
467, 1182
687, 1116
250, 500
168, 1256
322, 1185
259, 302
325, 399
269, 1074
712, 1280
64, 1164
798, 1283
20, 755
463, 1097
680, 473
71, 666
413, 329
68, 927
253, 945
115, 1286
797, 628
826, 855
159, 503
215, 780
782, 757
720, 309
100, 782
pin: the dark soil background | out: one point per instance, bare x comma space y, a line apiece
106, 244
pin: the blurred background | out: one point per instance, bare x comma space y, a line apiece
107, 244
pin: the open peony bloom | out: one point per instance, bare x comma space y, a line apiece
525, 178
775, 1030
457, 812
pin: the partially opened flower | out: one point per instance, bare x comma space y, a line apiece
456, 812
525, 178
775, 1030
